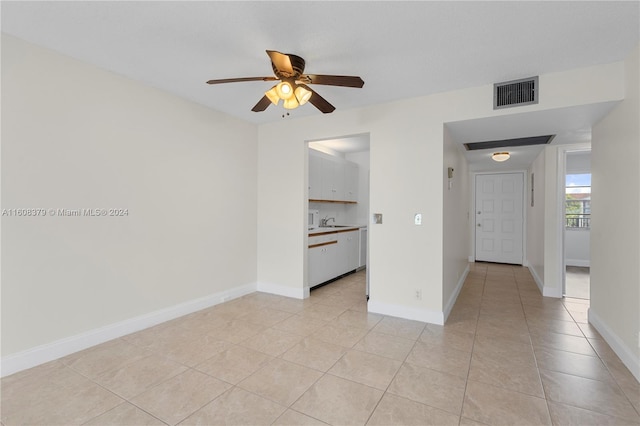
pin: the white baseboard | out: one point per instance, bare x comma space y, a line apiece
281, 290
51, 351
456, 292
552, 292
401, 311
626, 355
578, 262
537, 279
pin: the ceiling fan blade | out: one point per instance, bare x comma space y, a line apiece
237, 80
261, 105
318, 101
332, 80
282, 62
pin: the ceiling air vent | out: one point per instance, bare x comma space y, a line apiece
515, 93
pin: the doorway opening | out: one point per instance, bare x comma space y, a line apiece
338, 212
577, 224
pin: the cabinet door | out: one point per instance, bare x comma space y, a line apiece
353, 240
315, 265
315, 177
328, 184
351, 182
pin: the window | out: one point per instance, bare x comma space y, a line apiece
578, 201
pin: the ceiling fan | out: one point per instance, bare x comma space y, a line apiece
293, 89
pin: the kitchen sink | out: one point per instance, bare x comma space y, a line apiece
337, 226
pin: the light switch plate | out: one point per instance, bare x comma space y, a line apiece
417, 219
377, 218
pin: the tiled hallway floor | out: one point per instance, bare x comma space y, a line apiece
506, 356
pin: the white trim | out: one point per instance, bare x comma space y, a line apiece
401, 311
536, 278
552, 292
454, 295
578, 262
51, 351
281, 290
626, 354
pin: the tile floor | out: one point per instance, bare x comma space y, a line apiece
506, 356
577, 282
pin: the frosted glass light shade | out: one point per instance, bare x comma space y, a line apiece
500, 156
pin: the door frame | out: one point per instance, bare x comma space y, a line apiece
472, 208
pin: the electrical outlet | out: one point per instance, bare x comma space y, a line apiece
417, 219
418, 294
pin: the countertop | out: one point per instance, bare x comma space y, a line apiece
334, 229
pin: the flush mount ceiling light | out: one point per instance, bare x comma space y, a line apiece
293, 87
500, 156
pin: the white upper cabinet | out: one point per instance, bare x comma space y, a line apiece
332, 178
315, 177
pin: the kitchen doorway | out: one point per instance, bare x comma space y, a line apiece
340, 161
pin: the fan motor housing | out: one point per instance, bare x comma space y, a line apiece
297, 63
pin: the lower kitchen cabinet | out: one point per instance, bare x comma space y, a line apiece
331, 255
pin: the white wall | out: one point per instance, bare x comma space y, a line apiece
74, 136
535, 219
456, 218
615, 232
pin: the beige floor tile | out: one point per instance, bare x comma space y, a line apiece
498, 369
503, 329
572, 363
440, 358
589, 331
293, 418
562, 414
290, 305
385, 345
436, 389
272, 341
125, 414
343, 336
563, 342
106, 356
195, 351
319, 311
400, 327
468, 422
234, 364
138, 376
314, 354
602, 397
26, 388
627, 382
357, 319
236, 407
76, 403
393, 410
265, 316
492, 405
237, 330
281, 381
539, 326
367, 369
175, 399
338, 401
299, 325
603, 349
442, 336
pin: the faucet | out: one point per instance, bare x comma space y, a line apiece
323, 222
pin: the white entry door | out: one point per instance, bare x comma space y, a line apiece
499, 218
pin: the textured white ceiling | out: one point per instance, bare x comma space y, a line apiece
400, 49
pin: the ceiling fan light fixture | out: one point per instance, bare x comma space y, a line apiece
272, 94
291, 103
500, 156
302, 95
285, 90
